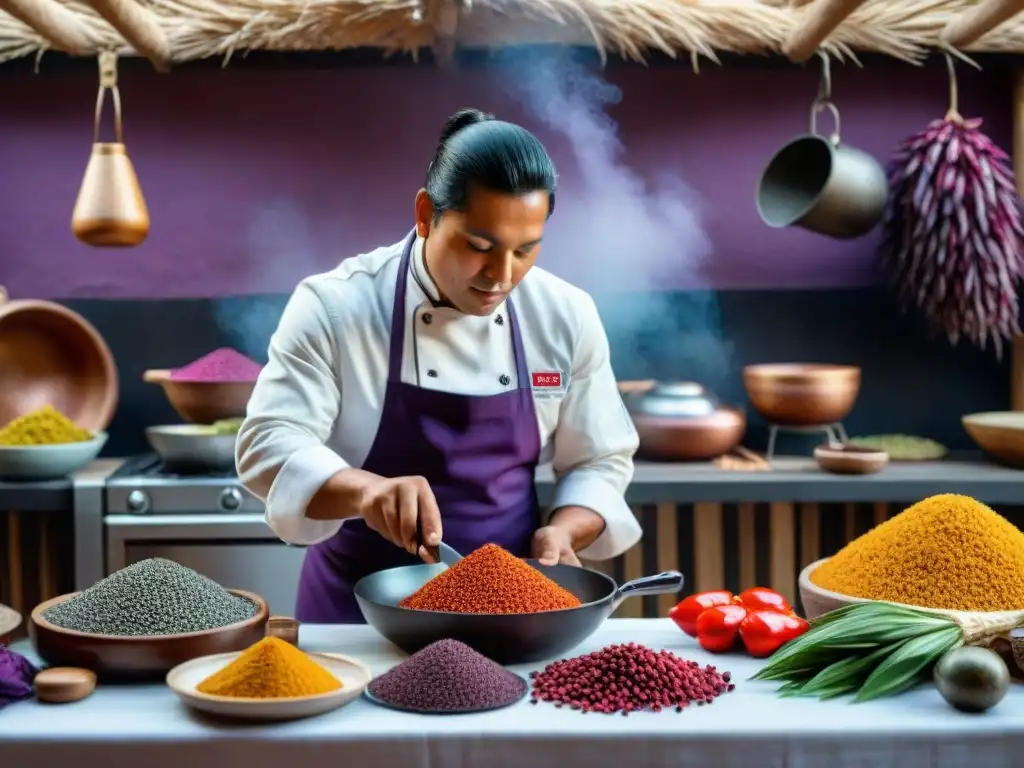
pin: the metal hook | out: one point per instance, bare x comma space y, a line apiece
825, 83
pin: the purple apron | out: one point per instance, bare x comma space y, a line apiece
478, 453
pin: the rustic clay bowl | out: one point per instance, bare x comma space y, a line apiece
850, 459
1000, 434
696, 439
802, 394
818, 601
203, 402
10, 620
114, 657
50, 355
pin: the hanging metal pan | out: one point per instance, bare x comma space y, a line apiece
819, 184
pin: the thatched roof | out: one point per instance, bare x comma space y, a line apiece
180, 30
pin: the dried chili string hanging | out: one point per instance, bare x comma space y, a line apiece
952, 232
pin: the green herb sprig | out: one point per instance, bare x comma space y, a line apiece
869, 649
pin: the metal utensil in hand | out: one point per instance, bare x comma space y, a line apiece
441, 553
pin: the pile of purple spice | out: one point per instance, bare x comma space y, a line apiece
628, 678
221, 365
448, 676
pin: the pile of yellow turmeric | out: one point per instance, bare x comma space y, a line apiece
270, 669
947, 551
44, 426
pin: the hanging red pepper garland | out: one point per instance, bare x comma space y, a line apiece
952, 231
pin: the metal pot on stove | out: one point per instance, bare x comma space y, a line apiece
682, 421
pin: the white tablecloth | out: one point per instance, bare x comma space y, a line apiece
147, 727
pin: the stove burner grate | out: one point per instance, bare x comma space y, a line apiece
150, 465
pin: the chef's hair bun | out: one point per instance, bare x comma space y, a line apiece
463, 119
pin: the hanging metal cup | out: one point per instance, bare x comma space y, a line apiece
819, 184
110, 210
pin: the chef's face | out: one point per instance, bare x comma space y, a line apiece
477, 256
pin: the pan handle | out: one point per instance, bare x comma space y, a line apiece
669, 581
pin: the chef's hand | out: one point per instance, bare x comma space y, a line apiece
395, 506
552, 545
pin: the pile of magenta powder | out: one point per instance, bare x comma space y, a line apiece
448, 676
221, 365
628, 678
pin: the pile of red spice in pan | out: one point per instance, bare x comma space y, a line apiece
628, 678
491, 580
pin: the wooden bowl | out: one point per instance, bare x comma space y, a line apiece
802, 394
50, 355
116, 657
818, 601
10, 620
690, 439
203, 402
850, 459
1000, 434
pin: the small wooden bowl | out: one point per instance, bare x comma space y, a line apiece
203, 402
850, 459
690, 439
1000, 434
50, 355
116, 657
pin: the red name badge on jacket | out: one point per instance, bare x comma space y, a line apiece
548, 384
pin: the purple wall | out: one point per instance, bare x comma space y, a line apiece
255, 179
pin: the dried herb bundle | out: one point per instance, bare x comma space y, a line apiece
952, 232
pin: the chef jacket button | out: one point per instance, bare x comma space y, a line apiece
504, 379
499, 320
432, 373
427, 318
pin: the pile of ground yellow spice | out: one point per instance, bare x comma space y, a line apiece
947, 551
270, 669
44, 426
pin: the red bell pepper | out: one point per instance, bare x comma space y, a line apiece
685, 613
764, 599
764, 632
718, 627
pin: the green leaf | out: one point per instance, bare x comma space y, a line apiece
849, 672
903, 668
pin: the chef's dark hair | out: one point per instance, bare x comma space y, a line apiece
476, 149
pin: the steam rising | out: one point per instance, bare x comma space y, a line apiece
628, 241
633, 236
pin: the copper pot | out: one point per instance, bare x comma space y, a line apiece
683, 421
50, 355
802, 394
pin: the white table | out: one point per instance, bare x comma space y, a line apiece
147, 727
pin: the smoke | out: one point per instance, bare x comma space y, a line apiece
281, 241
631, 239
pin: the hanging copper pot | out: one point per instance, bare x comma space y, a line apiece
110, 210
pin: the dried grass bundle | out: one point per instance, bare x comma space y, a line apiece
630, 28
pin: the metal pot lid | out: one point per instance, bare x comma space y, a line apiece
675, 399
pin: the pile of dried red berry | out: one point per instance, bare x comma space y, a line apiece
628, 678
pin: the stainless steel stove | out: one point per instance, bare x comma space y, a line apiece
207, 522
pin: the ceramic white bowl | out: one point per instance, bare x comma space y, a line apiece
183, 679
48, 462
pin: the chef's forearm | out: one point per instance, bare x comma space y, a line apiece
338, 498
583, 525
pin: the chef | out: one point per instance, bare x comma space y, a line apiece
411, 392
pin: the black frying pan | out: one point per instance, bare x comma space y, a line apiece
507, 639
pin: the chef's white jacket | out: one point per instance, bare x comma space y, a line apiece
317, 404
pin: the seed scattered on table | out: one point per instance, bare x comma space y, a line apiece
629, 678
448, 676
491, 580
151, 597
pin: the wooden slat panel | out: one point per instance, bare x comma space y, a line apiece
783, 560
747, 546
709, 570
634, 569
810, 534
16, 595
849, 523
881, 512
668, 553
